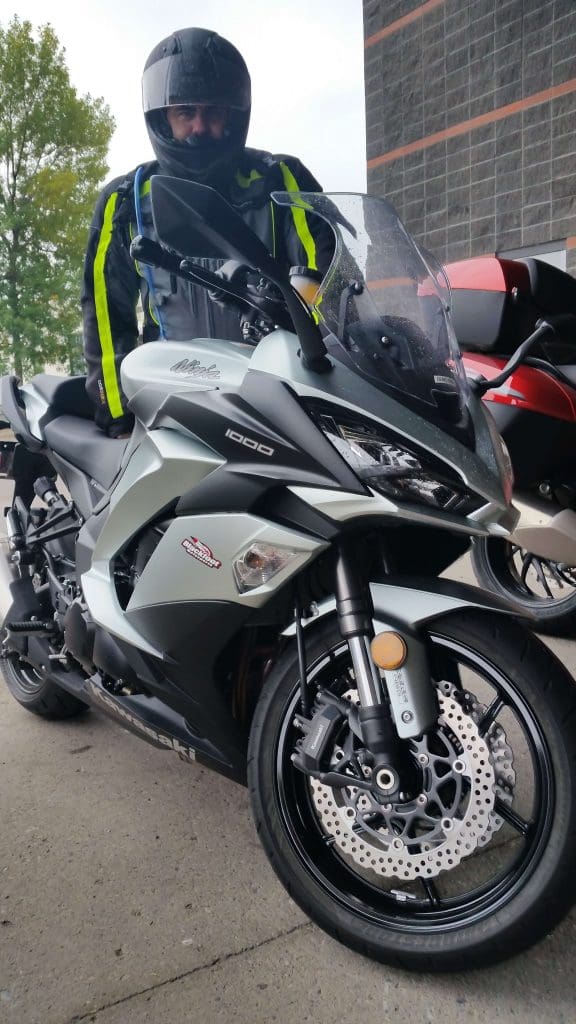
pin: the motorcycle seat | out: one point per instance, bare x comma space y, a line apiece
82, 443
65, 395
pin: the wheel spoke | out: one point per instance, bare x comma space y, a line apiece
565, 575
555, 573
513, 819
542, 577
490, 715
526, 563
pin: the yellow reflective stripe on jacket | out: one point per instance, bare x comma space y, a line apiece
139, 270
145, 188
102, 314
273, 226
244, 181
300, 222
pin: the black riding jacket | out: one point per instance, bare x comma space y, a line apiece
113, 281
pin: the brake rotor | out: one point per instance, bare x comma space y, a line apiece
462, 775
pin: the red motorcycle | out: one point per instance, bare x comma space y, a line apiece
497, 304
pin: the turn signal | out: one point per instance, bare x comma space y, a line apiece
258, 564
306, 282
389, 650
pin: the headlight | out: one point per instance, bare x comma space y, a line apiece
394, 470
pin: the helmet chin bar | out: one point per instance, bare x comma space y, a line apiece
207, 161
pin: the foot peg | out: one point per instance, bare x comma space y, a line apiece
27, 627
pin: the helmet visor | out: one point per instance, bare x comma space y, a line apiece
174, 81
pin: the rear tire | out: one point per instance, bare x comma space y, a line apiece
416, 924
37, 693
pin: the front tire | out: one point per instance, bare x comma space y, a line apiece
503, 692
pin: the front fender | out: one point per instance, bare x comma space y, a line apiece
409, 602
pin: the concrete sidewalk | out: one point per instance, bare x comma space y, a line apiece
133, 889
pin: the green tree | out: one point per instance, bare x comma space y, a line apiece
53, 147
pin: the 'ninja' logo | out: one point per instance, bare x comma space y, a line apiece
193, 368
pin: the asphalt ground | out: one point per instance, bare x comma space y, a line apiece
133, 888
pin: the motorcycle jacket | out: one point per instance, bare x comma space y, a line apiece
174, 308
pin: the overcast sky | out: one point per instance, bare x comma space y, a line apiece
305, 58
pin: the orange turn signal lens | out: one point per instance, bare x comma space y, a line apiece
389, 650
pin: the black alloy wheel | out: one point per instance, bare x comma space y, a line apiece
496, 776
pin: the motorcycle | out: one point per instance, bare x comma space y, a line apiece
235, 582
496, 303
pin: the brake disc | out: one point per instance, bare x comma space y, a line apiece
462, 774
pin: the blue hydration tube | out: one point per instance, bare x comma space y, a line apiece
147, 271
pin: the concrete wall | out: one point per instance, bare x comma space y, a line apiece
471, 121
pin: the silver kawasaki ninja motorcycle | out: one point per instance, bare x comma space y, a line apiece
251, 580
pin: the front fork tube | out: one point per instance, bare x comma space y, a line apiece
397, 706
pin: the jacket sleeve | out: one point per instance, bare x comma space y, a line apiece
110, 292
308, 240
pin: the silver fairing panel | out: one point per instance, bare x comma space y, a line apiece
198, 365
169, 462
172, 575
165, 465
205, 365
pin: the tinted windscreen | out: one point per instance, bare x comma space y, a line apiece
385, 303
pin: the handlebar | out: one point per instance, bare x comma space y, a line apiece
290, 313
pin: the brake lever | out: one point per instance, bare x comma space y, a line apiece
543, 328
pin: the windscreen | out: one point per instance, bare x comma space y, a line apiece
385, 304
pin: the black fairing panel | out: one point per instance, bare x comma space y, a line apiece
193, 635
230, 490
412, 550
267, 412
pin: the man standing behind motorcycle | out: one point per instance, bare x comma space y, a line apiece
197, 100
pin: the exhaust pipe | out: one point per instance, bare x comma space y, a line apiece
544, 531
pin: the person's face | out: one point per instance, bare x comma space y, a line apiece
197, 119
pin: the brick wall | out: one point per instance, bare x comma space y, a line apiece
471, 121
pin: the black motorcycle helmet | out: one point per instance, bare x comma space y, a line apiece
193, 66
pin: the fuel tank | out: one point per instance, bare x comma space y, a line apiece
201, 364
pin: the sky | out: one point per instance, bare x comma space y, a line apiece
305, 58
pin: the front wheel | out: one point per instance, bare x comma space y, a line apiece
475, 860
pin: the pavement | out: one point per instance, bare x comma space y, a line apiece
133, 890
